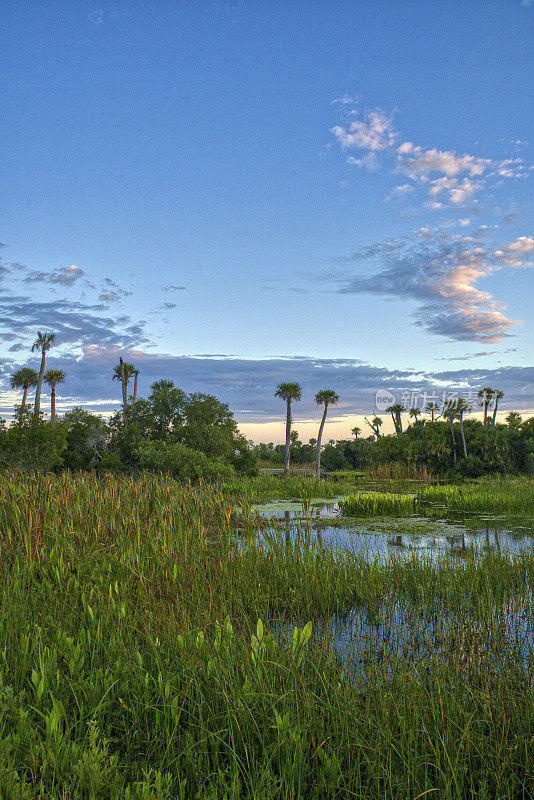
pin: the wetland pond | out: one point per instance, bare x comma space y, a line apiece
396, 626
383, 537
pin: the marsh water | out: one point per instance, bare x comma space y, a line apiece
395, 627
384, 537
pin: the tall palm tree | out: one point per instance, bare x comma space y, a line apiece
497, 395
123, 372
52, 378
288, 392
432, 409
375, 425
415, 412
462, 407
356, 431
449, 412
326, 397
485, 396
396, 411
136, 374
43, 343
24, 378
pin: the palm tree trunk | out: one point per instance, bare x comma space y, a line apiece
453, 441
53, 405
495, 412
319, 438
124, 395
37, 404
288, 438
394, 418
463, 435
24, 395
485, 414
135, 386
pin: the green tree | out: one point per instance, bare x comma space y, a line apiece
52, 378
375, 425
24, 379
462, 407
432, 409
414, 413
356, 431
288, 392
123, 372
43, 343
497, 395
325, 398
485, 396
396, 410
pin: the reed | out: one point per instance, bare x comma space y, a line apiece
494, 496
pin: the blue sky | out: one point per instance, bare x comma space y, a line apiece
236, 193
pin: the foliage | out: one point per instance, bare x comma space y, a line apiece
182, 462
31, 445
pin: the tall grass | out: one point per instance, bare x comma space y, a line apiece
375, 504
495, 496
132, 663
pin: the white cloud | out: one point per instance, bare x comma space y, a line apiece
515, 253
464, 221
420, 163
376, 134
369, 161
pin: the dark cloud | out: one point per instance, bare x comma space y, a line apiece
112, 292
74, 322
248, 385
63, 276
173, 288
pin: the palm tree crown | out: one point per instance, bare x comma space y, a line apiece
24, 378
288, 391
54, 376
129, 371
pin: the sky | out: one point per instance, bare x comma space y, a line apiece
234, 194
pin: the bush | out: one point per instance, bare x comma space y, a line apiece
181, 462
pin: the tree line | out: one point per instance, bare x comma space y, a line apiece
152, 432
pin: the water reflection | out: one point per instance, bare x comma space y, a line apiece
384, 537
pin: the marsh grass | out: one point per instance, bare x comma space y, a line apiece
132, 664
493, 496
376, 504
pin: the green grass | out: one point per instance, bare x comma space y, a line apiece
494, 496
132, 664
270, 487
375, 504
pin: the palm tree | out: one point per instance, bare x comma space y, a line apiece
497, 395
462, 407
375, 424
432, 408
24, 378
123, 372
396, 411
288, 392
449, 412
514, 420
52, 378
326, 397
415, 412
136, 374
43, 343
485, 395
356, 431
